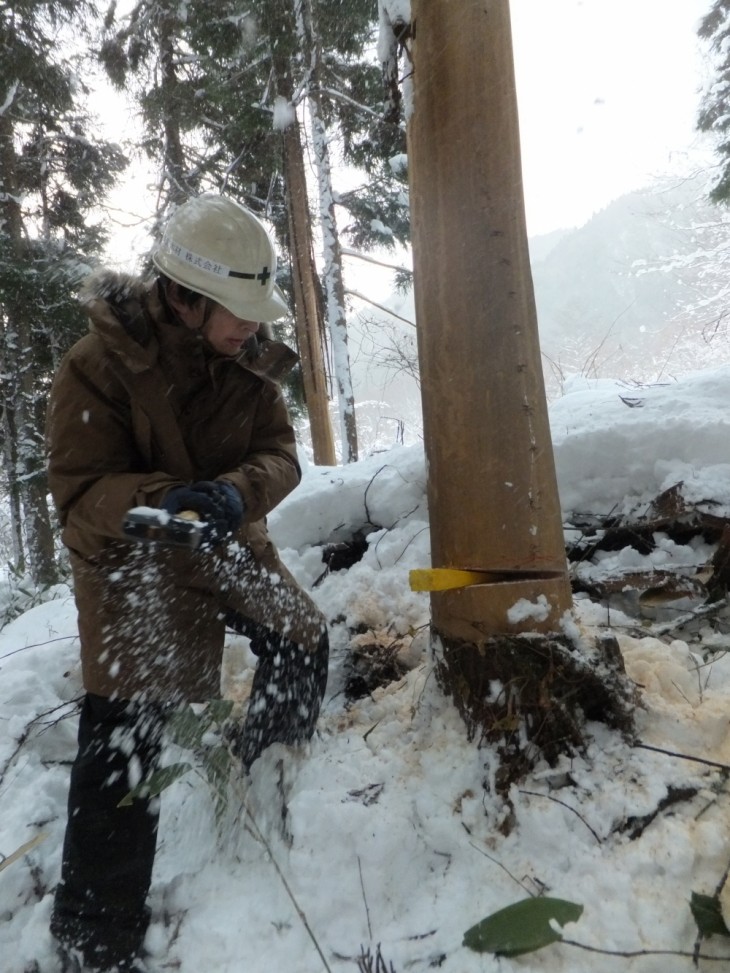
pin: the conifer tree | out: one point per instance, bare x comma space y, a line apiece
714, 115
164, 55
52, 173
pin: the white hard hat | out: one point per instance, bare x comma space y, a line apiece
218, 248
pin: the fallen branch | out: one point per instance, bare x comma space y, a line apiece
364, 897
636, 826
37, 645
632, 953
23, 850
23, 738
684, 756
505, 870
563, 804
259, 835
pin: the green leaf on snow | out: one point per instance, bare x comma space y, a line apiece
707, 913
522, 927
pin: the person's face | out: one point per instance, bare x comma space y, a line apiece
226, 333
223, 331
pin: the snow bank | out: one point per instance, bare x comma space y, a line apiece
618, 447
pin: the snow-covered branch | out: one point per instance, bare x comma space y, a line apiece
10, 97
380, 307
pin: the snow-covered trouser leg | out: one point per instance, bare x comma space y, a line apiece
263, 593
286, 695
100, 904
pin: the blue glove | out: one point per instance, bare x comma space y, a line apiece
219, 505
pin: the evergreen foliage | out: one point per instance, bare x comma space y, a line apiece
714, 116
203, 79
53, 172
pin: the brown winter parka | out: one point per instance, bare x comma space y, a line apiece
140, 405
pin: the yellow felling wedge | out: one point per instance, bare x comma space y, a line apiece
442, 579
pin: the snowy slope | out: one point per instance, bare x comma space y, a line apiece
393, 836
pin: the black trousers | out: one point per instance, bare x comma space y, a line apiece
108, 852
100, 906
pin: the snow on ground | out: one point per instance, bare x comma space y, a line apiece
660, 435
393, 836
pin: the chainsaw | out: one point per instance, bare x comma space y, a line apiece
153, 526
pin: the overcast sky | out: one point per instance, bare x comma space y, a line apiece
608, 93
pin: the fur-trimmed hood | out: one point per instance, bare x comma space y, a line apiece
113, 287
113, 299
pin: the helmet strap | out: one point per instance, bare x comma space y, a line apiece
208, 308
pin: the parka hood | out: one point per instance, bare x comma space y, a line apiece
112, 287
117, 306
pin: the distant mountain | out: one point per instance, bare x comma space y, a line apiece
639, 291
541, 246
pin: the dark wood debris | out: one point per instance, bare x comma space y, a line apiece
669, 515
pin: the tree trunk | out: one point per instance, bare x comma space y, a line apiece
493, 495
173, 157
306, 307
10, 215
26, 477
308, 318
493, 500
332, 251
29, 474
10, 464
39, 533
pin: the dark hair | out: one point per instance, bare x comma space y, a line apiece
186, 294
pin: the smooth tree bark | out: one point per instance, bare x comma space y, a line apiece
493, 501
502, 632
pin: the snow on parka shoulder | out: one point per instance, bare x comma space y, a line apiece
139, 405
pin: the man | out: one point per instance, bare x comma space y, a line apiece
166, 404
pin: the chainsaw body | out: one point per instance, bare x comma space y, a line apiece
153, 526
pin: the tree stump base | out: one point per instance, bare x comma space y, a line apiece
532, 695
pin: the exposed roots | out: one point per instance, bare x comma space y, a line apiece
377, 658
532, 696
